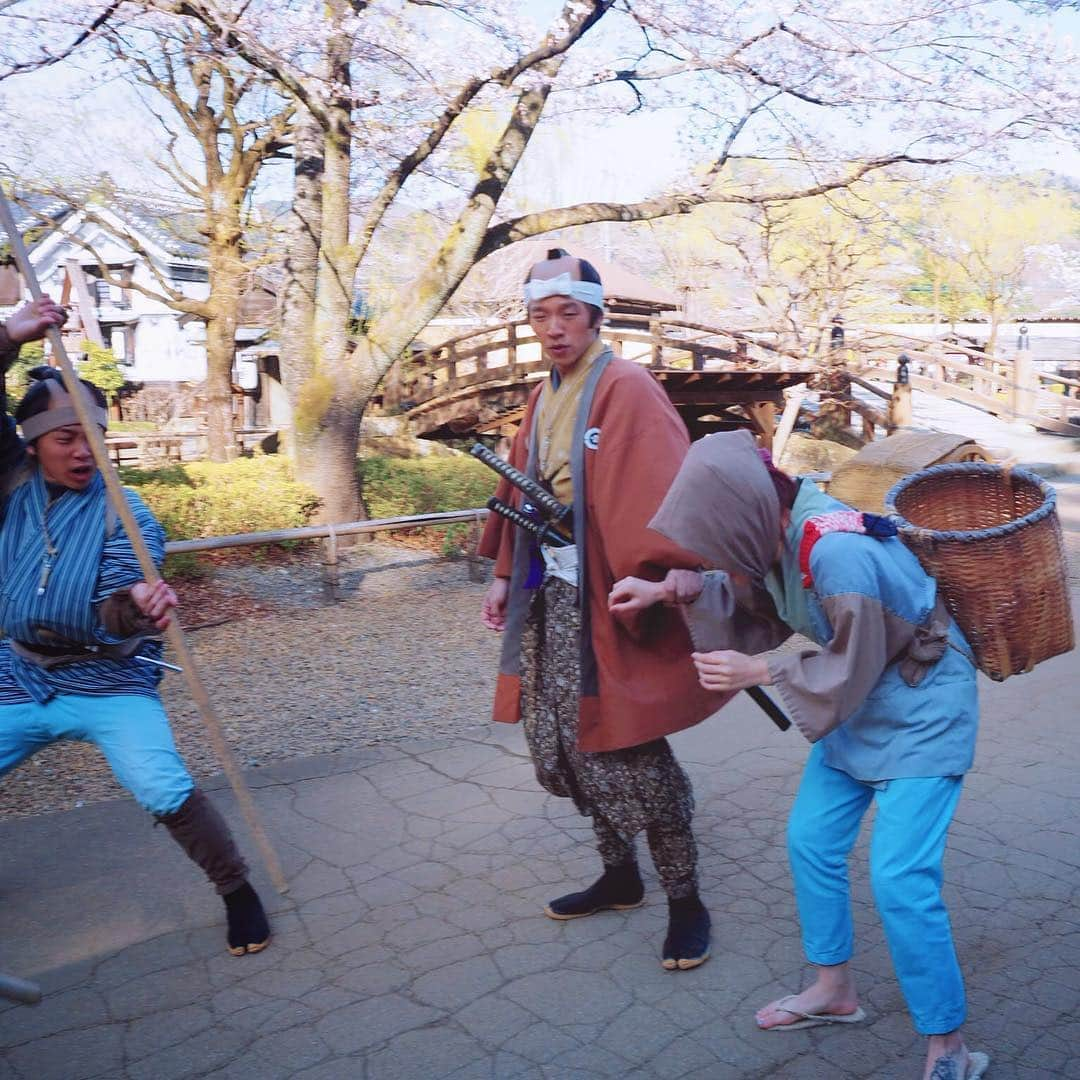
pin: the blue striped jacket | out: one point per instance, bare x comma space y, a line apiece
87, 566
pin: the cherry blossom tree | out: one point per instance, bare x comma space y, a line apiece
232, 126
389, 90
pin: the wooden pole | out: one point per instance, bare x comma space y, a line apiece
173, 633
795, 397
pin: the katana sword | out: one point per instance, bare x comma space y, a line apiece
539, 496
769, 707
542, 530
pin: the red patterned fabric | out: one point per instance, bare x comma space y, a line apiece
850, 521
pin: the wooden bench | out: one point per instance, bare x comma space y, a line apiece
136, 449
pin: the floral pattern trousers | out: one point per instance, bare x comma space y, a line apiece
640, 788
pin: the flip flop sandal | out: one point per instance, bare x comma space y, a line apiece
809, 1020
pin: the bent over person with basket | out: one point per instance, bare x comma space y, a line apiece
79, 659
888, 700
597, 697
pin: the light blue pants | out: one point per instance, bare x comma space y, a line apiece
131, 730
906, 851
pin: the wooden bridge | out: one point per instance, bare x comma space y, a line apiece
1012, 389
478, 383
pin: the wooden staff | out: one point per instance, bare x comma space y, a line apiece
173, 633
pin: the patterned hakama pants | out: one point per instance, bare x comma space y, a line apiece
623, 791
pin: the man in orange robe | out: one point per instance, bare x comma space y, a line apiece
596, 695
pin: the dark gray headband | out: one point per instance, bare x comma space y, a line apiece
61, 413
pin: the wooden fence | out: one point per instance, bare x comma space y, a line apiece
329, 533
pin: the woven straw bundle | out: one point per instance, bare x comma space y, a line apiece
864, 480
992, 539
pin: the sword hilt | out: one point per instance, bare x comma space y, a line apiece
536, 494
543, 532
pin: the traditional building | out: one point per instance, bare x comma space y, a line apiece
155, 245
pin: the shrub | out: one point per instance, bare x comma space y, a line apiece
208, 499
30, 355
101, 369
397, 487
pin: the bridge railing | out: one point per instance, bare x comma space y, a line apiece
510, 351
1004, 387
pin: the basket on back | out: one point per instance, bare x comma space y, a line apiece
992, 539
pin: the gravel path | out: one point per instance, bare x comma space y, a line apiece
402, 655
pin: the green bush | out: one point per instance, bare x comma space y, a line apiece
30, 355
258, 494
207, 499
398, 487
101, 369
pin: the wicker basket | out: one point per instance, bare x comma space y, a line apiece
992, 539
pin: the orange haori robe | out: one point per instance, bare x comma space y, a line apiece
638, 682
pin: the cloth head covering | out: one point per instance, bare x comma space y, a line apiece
61, 412
723, 507
560, 275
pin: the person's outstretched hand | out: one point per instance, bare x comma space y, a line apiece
632, 595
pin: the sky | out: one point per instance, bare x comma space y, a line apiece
62, 122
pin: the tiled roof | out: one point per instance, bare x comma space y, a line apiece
501, 275
29, 210
173, 226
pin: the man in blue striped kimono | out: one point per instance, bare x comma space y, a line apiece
80, 625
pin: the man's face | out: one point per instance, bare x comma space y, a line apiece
564, 328
65, 457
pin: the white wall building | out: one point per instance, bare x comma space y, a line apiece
141, 243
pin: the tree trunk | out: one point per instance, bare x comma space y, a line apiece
220, 353
327, 462
331, 396
227, 275
303, 236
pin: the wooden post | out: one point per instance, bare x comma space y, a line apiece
511, 347
331, 571
899, 412
762, 415
657, 349
173, 633
477, 566
1022, 392
795, 397
87, 312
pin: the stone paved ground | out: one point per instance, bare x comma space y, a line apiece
412, 945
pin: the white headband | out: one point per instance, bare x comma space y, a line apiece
588, 292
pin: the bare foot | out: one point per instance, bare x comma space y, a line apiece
817, 1000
